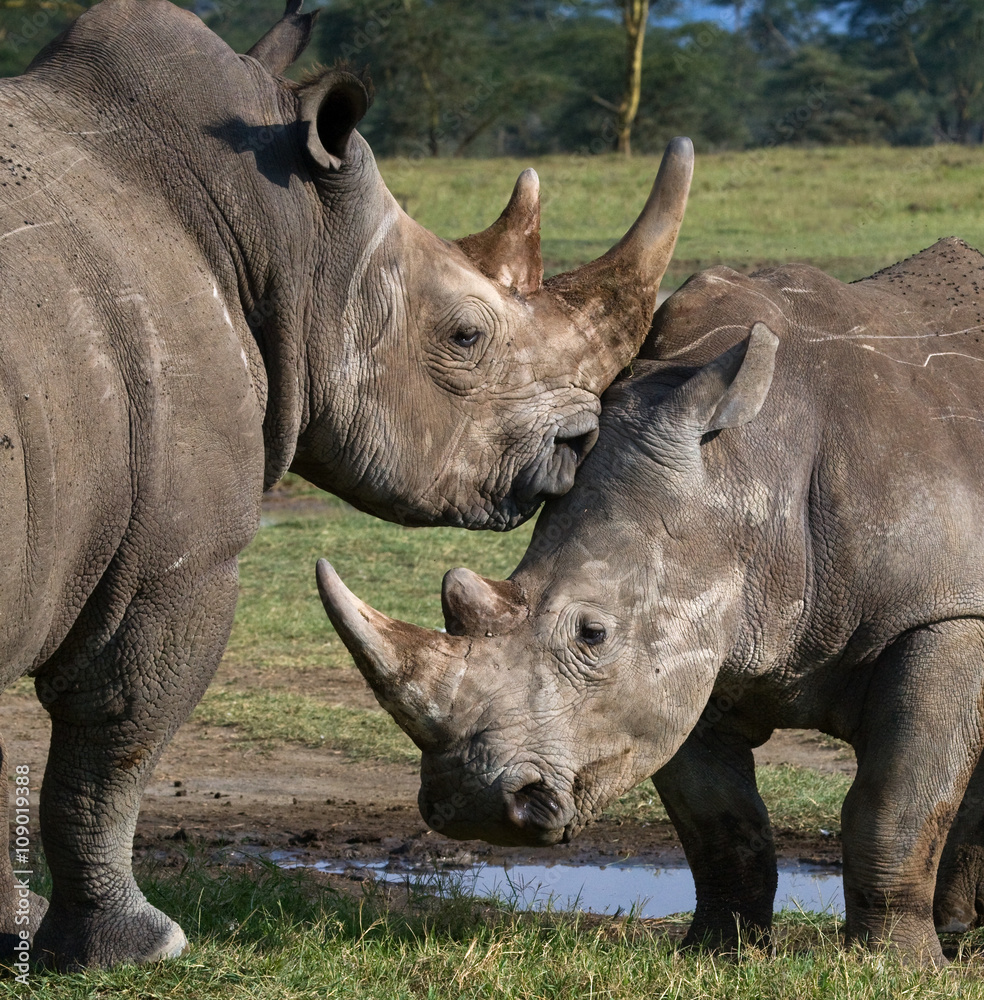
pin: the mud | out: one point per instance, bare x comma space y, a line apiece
214, 790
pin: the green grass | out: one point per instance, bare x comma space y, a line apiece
263, 933
849, 210
279, 619
280, 716
800, 800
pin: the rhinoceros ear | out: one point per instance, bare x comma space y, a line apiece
476, 606
286, 40
509, 250
331, 106
730, 390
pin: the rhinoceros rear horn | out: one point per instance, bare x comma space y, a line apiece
509, 250
331, 106
615, 295
476, 606
410, 669
286, 40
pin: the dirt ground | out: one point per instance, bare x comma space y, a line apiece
230, 796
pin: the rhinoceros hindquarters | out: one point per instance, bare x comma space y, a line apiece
114, 706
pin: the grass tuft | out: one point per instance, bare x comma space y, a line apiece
260, 932
278, 716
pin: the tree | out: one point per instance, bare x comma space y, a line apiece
27, 25
817, 98
447, 72
635, 16
931, 52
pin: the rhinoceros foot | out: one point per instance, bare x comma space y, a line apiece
727, 930
959, 901
73, 939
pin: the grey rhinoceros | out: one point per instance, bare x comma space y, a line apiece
204, 283
780, 526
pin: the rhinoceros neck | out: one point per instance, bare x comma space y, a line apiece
183, 122
161, 100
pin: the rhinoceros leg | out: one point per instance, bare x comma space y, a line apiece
709, 791
20, 909
958, 904
113, 711
919, 738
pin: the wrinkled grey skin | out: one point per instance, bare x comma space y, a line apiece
783, 537
204, 282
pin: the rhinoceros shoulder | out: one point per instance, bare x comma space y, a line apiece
945, 258
946, 278
127, 62
115, 34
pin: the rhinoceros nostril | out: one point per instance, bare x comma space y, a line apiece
578, 444
532, 805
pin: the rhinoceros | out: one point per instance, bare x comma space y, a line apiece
779, 527
204, 284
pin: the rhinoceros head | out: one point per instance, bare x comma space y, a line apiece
447, 382
425, 381
557, 690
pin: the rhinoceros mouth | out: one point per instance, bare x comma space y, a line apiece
551, 474
532, 815
537, 809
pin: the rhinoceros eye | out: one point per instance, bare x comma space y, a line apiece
467, 336
592, 634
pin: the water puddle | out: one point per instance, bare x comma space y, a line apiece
642, 889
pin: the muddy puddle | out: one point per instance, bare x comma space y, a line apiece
643, 890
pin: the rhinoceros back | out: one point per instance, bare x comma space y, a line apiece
126, 400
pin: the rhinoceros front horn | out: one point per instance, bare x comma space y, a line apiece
413, 671
615, 295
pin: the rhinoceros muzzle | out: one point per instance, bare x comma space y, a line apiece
552, 473
536, 811
532, 815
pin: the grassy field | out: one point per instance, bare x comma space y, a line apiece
849, 210
266, 933
263, 933
279, 619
